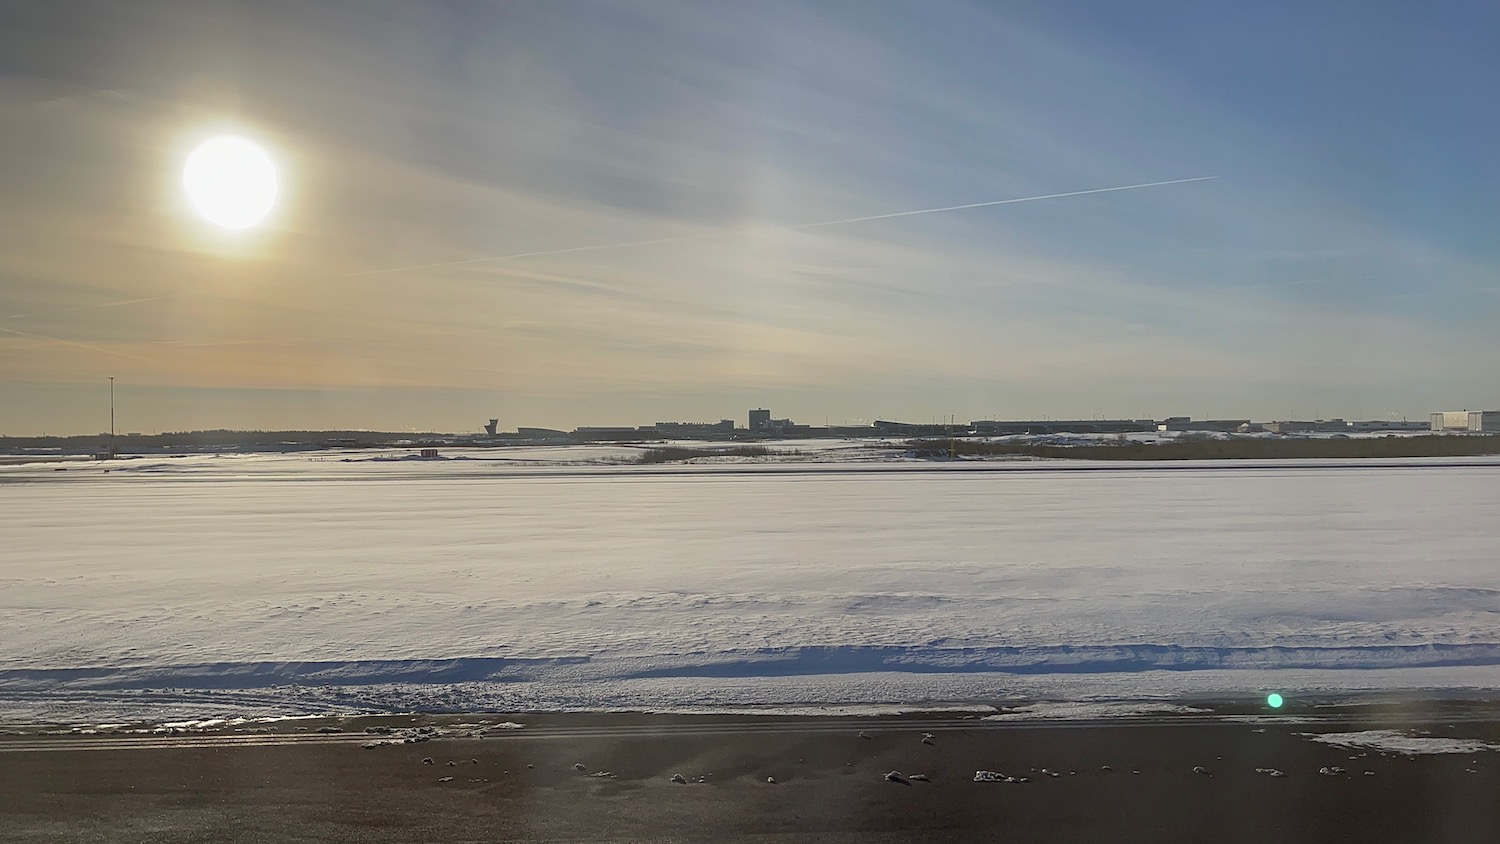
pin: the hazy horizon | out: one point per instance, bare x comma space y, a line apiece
1341, 262
96, 408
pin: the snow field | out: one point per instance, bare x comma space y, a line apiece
247, 573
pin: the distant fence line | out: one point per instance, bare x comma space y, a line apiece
1229, 449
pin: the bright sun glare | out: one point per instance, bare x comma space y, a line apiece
231, 182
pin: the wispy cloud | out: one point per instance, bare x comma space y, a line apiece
793, 227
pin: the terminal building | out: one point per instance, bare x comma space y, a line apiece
696, 430
613, 434
541, 434
886, 428
1387, 425
1337, 426
1316, 426
992, 428
1186, 423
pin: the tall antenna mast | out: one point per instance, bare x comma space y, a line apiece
111, 416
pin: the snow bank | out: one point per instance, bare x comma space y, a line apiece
1393, 741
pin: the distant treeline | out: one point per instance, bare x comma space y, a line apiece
216, 438
672, 454
1230, 449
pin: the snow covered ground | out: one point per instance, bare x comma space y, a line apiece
204, 586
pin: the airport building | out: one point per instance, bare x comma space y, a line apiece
1484, 420
696, 430
1186, 423
1479, 421
909, 429
1450, 420
762, 426
613, 434
1388, 425
992, 428
1316, 426
541, 434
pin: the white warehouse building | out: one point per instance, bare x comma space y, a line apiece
1484, 420
1450, 420
1466, 420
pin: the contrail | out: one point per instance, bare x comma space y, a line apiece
117, 304
993, 203
797, 227
623, 245
80, 344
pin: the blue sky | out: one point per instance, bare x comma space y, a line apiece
1342, 262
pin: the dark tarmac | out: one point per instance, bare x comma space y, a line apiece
829, 782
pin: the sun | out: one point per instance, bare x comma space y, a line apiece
231, 182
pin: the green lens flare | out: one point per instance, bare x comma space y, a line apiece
1274, 700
